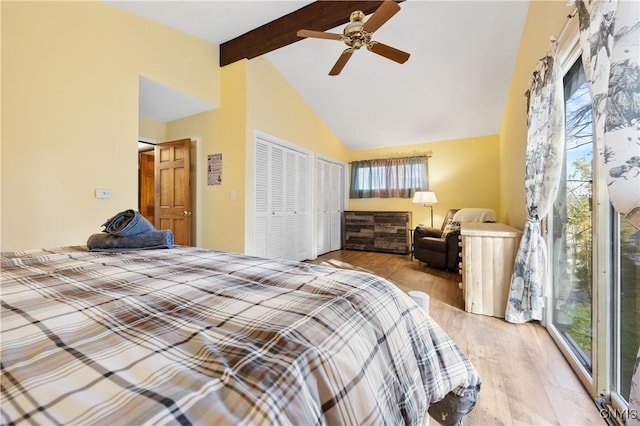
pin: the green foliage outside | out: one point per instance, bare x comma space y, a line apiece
573, 228
629, 303
579, 241
580, 327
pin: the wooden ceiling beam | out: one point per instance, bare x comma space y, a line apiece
320, 15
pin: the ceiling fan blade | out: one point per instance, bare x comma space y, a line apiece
387, 9
341, 62
389, 52
319, 34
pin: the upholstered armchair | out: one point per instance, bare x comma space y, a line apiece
438, 247
435, 249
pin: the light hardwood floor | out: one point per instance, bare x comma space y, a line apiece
525, 378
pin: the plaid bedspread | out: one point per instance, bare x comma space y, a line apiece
194, 336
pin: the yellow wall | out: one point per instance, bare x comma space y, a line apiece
255, 96
503, 187
70, 112
219, 218
274, 107
0, 141
546, 18
462, 173
70, 124
152, 129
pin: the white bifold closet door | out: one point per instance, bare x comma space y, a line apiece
281, 201
329, 205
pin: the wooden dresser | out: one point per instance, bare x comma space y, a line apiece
488, 255
377, 231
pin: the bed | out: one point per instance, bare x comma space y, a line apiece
195, 336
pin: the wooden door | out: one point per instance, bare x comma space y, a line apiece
146, 185
173, 196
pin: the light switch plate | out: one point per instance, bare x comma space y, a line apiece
103, 193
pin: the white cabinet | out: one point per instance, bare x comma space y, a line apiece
281, 202
488, 255
329, 205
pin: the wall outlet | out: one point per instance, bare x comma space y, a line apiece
103, 193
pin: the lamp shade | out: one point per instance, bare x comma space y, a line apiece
425, 197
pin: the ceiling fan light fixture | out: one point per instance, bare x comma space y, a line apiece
358, 33
353, 28
353, 34
356, 15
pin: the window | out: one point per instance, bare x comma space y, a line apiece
386, 178
572, 232
594, 306
626, 305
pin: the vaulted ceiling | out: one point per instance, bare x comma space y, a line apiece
454, 85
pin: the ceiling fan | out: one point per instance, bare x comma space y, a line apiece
357, 33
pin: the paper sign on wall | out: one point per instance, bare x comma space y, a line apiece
214, 169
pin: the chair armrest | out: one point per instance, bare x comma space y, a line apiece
425, 231
453, 250
453, 238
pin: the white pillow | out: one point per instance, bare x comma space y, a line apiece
475, 215
451, 226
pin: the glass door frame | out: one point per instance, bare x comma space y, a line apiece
619, 409
597, 381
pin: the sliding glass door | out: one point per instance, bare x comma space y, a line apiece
626, 307
594, 297
572, 232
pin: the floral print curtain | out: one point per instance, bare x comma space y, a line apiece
609, 40
634, 394
544, 159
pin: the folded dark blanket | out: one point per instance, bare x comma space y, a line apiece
145, 240
128, 222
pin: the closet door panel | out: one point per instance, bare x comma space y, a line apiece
281, 201
322, 208
301, 213
330, 201
277, 204
336, 206
262, 199
290, 205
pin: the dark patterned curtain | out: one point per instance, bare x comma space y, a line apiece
609, 39
544, 159
387, 178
